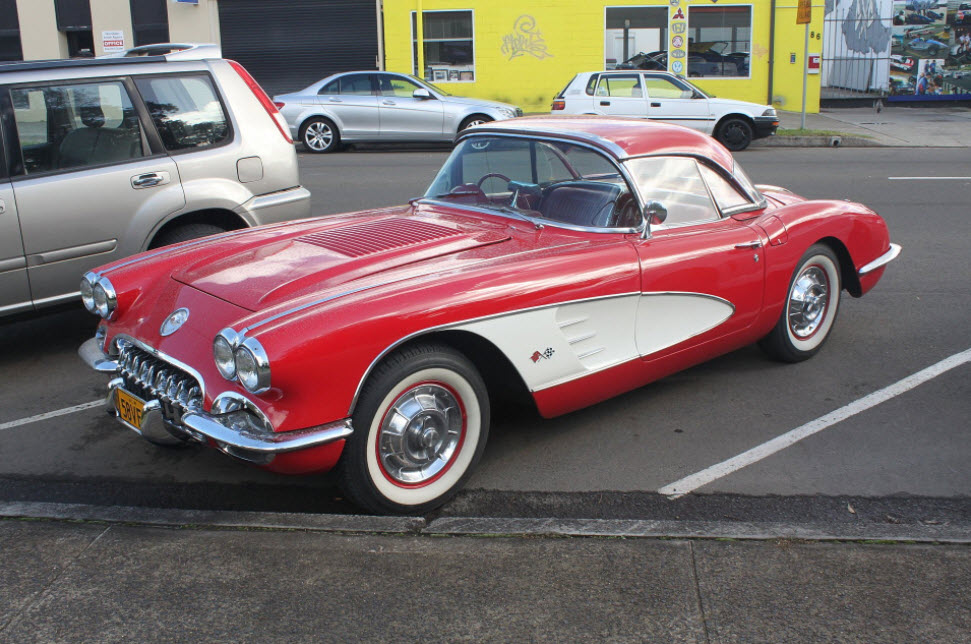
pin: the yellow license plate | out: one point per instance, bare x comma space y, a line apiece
129, 408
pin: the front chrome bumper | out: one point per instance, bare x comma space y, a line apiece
238, 429
883, 260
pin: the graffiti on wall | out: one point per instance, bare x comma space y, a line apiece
525, 39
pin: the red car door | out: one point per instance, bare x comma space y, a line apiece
702, 274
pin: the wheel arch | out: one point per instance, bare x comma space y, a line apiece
473, 115
851, 281
741, 115
225, 219
319, 114
503, 381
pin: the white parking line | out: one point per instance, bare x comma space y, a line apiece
50, 414
929, 178
693, 482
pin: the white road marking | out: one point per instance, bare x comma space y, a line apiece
694, 481
929, 178
50, 414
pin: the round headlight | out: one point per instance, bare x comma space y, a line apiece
100, 299
222, 353
252, 366
87, 294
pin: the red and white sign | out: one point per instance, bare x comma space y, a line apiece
813, 62
112, 41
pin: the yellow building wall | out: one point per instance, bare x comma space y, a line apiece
567, 37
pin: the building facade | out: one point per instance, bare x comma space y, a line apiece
525, 53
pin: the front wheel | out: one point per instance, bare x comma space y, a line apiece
811, 307
735, 134
475, 119
420, 426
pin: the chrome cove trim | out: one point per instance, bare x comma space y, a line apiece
566, 136
526, 218
883, 260
444, 327
161, 356
308, 305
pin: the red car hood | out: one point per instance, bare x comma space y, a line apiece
263, 268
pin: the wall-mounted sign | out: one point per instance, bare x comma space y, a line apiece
813, 63
677, 43
112, 41
186, 1
804, 12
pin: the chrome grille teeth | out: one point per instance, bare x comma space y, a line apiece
152, 378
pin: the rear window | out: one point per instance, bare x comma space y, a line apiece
185, 110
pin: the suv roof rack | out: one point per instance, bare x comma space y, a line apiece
30, 65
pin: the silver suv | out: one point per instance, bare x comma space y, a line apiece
104, 158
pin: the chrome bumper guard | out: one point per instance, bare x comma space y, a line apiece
237, 432
883, 260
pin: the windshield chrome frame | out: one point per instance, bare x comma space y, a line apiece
621, 171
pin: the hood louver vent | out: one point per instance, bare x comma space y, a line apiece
378, 236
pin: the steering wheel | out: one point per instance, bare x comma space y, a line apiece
497, 175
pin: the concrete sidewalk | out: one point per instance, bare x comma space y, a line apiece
891, 126
71, 582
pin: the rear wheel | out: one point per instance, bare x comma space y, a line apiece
811, 307
320, 135
185, 232
420, 426
735, 133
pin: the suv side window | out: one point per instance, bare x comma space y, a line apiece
185, 109
74, 126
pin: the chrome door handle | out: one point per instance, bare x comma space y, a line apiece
388, 103
755, 244
148, 180
335, 100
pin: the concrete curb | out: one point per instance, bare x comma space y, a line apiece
634, 528
823, 141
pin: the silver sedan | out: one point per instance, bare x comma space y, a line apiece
355, 107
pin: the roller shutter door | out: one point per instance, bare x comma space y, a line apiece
289, 45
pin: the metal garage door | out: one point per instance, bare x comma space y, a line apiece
289, 45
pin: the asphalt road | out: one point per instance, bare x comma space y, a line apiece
611, 459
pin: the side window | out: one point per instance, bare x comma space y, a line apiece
677, 184
396, 86
356, 85
591, 84
663, 88
725, 194
185, 110
332, 88
75, 126
620, 86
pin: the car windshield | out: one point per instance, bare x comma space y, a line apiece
695, 88
429, 85
541, 181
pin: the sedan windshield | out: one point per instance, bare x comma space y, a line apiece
542, 181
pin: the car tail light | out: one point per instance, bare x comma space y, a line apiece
268, 105
559, 105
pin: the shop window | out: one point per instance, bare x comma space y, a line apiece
9, 32
149, 21
719, 41
447, 45
636, 37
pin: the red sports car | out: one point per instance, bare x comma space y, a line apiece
571, 258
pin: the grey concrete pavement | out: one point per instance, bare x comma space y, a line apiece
68, 582
895, 126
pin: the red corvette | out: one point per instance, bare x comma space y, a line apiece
571, 258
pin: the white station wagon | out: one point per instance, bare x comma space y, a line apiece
662, 96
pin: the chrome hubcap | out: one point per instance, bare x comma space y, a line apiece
807, 302
420, 434
318, 136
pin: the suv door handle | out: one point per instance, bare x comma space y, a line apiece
149, 179
754, 244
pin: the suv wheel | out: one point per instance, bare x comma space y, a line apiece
183, 233
320, 135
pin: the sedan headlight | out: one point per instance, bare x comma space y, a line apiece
507, 112
769, 112
98, 295
224, 353
253, 366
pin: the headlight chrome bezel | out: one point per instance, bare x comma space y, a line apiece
94, 288
254, 377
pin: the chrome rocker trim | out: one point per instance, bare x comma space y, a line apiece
883, 260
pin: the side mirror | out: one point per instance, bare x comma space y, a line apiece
421, 93
656, 213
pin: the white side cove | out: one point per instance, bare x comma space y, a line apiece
557, 344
